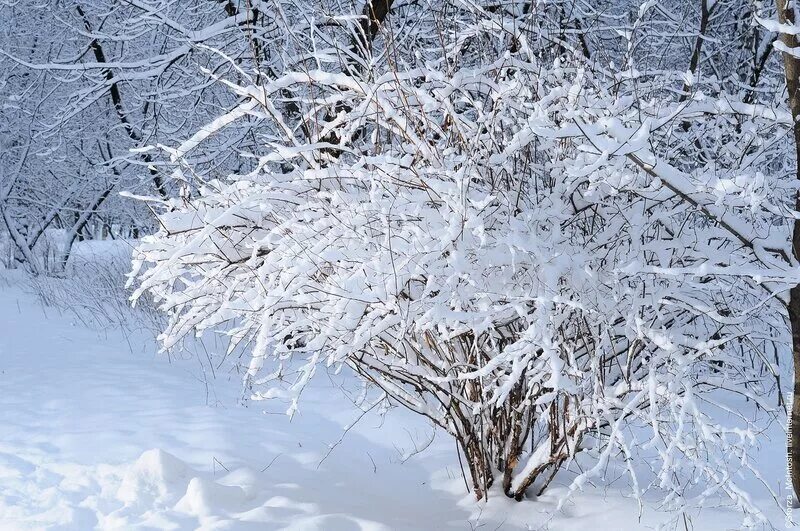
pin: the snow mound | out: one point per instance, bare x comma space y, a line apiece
159, 490
152, 477
205, 498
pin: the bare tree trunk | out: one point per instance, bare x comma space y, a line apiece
80, 224
20, 242
116, 99
694, 62
373, 15
792, 68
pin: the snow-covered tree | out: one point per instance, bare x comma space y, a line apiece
85, 84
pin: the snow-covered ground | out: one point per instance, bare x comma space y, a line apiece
98, 431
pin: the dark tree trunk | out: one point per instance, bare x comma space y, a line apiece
116, 99
694, 62
792, 67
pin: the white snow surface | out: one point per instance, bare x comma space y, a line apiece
98, 431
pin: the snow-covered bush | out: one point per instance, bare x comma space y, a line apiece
537, 252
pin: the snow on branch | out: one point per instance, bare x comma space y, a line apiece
537, 255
